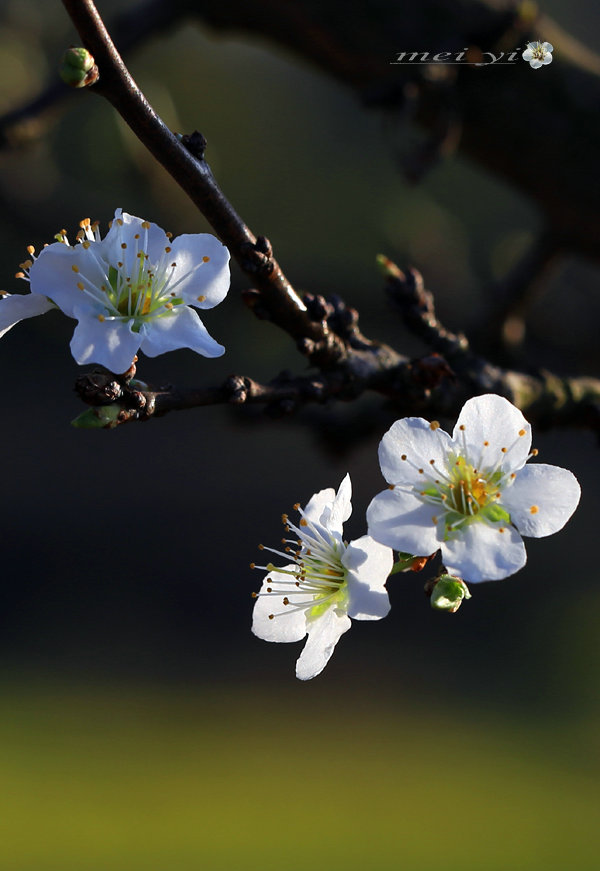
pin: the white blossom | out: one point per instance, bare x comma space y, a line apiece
328, 581
470, 494
538, 54
131, 290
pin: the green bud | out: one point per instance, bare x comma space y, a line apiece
448, 593
78, 68
100, 417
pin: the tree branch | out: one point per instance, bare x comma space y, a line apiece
276, 299
325, 331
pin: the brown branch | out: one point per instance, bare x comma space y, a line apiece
497, 113
326, 331
431, 385
278, 299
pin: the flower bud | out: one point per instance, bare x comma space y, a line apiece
78, 68
448, 593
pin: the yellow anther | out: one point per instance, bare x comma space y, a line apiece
168, 249
201, 298
80, 285
462, 427
86, 244
75, 268
146, 225
403, 457
534, 509
30, 250
123, 245
521, 432
205, 259
101, 318
435, 424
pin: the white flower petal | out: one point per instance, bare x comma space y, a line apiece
52, 275
16, 307
210, 280
315, 506
369, 565
402, 521
333, 516
288, 624
527, 54
181, 328
542, 499
110, 343
493, 419
547, 59
323, 634
547, 46
414, 438
482, 553
535, 63
153, 240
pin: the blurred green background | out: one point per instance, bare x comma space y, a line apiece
142, 725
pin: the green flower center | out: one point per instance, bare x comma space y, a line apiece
465, 494
141, 297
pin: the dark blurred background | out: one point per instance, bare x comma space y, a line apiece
143, 726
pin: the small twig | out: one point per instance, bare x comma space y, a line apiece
130, 28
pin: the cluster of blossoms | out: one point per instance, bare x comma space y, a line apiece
469, 496
131, 290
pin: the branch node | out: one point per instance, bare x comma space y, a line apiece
195, 143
